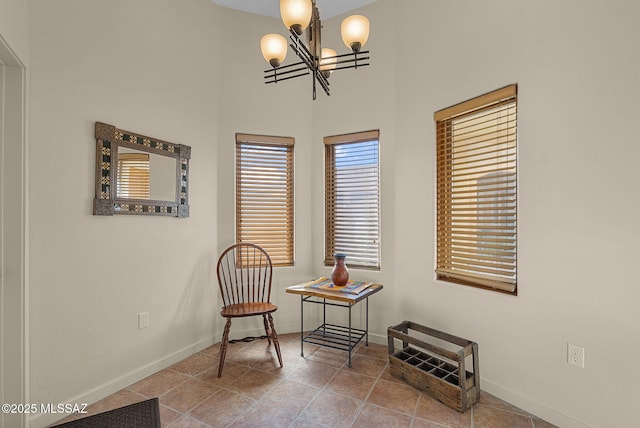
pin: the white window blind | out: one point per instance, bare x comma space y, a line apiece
477, 191
133, 176
264, 195
352, 212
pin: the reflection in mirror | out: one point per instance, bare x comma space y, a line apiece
140, 175
145, 176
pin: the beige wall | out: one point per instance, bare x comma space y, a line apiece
416, 71
249, 106
577, 71
362, 100
13, 27
191, 72
13, 175
150, 67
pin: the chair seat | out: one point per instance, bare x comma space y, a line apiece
247, 309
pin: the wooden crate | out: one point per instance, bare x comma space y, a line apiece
432, 368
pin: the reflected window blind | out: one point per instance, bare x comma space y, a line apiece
352, 198
264, 195
133, 176
477, 191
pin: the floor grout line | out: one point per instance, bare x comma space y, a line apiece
315, 365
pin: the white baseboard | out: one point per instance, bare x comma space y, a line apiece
44, 419
378, 339
525, 403
530, 405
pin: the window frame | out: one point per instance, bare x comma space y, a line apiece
493, 221
330, 247
284, 254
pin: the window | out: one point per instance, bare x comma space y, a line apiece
477, 191
352, 198
133, 175
264, 195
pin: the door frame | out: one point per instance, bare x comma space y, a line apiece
14, 348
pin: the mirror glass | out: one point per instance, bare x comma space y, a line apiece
143, 175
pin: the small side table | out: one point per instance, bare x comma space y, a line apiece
334, 336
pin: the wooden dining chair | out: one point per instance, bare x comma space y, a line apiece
244, 277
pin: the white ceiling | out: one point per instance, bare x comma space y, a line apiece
327, 8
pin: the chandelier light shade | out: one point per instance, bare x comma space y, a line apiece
355, 32
274, 49
328, 61
296, 14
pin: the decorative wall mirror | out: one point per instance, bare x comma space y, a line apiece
140, 175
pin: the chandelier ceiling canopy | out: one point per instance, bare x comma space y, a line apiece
301, 15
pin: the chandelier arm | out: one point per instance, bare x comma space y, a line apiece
279, 72
322, 78
308, 58
277, 78
323, 82
283, 67
314, 87
347, 67
307, 61
355, 60
301, 50
347, 54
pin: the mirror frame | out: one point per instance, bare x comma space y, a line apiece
108, 140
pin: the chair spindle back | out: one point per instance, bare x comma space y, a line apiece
244, 274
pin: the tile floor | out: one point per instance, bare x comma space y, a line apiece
319, 390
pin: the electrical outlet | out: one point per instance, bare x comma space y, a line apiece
575, 355
143, 320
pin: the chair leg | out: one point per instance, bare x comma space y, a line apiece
274, 335
223, 346
266, 328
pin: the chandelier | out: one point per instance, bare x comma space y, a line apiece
320, 62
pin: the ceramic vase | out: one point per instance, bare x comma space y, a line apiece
340, 273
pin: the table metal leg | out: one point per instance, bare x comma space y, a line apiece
333, 335
324, 317
366, 340
301, 325
350, 344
